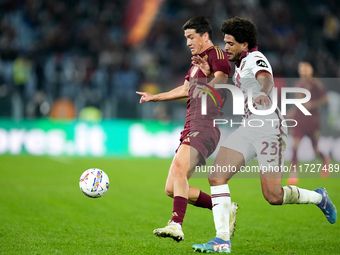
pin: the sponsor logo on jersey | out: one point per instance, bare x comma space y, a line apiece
261, 63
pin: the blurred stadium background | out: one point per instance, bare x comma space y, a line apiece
69, 70
83, 60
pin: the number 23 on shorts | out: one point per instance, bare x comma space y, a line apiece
272, 145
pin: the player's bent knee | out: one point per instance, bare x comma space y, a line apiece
217, 181
274, 200
169, 192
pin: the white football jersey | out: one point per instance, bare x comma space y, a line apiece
245, 77
267, 142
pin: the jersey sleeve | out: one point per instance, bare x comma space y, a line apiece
219, 61
258, 63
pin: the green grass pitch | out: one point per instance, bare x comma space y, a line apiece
42, 211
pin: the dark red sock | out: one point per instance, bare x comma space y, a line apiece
179, 209
203, 200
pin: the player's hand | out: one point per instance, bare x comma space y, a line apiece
145, 97
263, 100
203, 65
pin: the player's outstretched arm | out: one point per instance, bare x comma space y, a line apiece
267, 84
177, 93
146, 97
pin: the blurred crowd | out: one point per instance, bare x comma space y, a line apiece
74, 53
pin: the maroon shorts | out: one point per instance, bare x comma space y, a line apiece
201, 135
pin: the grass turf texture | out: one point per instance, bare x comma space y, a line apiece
43, 211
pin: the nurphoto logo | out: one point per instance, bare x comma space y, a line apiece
238, 103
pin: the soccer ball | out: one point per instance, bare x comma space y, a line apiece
94, 182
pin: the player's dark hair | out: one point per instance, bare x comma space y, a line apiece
243, 30
201, 25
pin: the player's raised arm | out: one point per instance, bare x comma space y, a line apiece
267, 84
177, 93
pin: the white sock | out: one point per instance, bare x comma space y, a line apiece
295, 195
221, 201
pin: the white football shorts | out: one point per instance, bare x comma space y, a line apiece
266, 143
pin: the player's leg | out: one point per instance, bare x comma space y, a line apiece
200, 149
271, 188
177, 187
195, 196
293, 176
220, 193
271, 176
277, 195
204, 140
221, 200
199, 198
235, 152
183, 162
325, 159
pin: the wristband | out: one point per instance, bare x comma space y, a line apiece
262, 94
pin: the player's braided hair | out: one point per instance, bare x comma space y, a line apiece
201, 25
243, 30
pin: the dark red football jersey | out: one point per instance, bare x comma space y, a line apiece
218, 61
